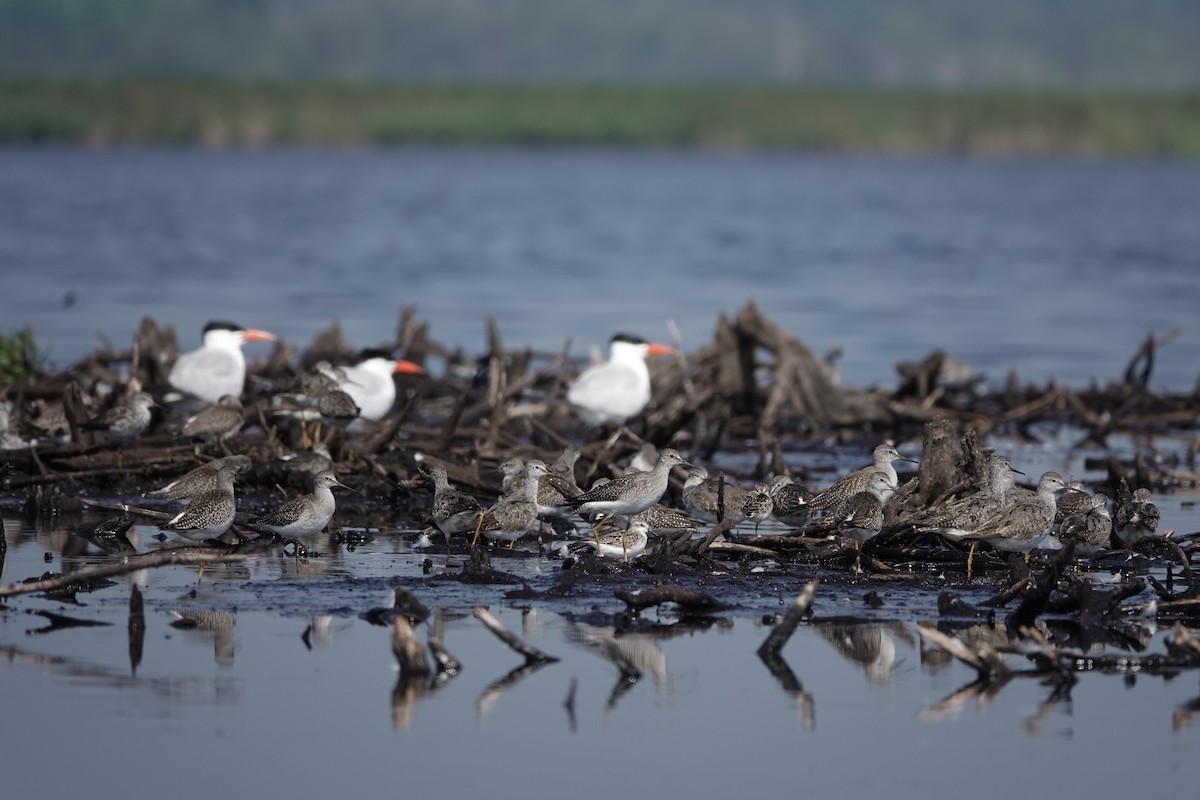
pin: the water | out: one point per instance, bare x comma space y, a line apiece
1057, 269
1054, 268
295, 695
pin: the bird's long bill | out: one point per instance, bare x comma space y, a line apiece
408, 368
336, 482
255, 335
657, 349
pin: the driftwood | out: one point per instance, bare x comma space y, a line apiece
689, 601
784, 629
190, 557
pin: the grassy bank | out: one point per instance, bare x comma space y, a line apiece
220, 114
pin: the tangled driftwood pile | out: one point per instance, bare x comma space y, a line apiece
753, 383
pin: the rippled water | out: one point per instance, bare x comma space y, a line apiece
1054, 268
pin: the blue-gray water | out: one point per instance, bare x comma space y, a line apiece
1054, 268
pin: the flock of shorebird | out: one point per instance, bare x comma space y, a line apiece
625, 510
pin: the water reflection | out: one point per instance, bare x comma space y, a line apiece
870, 645
204, 625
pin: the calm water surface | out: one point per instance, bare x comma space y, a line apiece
1057, 269
289, 693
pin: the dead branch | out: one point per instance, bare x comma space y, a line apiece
165, 558
784, 629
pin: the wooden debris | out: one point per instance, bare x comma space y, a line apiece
688, 600
784, 629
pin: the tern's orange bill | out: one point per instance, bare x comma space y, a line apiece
255, 335
408, 368
657, 349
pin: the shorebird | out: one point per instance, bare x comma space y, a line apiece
513, 516
125, 420
202, 479
218, 367
702, 497
210, 513
217, 422
968, 513
369, 382
454, 511
861, 517
304, 514
1023, 525
758, 505
789, 501
846, 487
1090, 528
558, 485
1137, 519
1073, 500
629, 494
313, 461
618, 389
616, 542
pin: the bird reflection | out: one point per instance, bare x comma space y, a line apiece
872, 645
218, 624
633, 654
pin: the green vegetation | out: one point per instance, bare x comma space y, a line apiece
226, 114
19, 358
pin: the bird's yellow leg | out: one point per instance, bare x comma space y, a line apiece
970, 556
478, 525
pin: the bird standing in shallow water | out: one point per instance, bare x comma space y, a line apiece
618, 389
217, 367
454, 511
615, 542
210, 513
513, 516
306, 514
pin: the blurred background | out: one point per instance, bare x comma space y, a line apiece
883, 178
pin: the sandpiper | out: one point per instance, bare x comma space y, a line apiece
513, 516
217, 422
848, 486
125, 420
968, 513
1137, 519
861, 517
1090, 528
315, 460
1023, 525
629, 494
616, 542
558, 485
790, 501
202, 479
218, 367
306, 514
454, 511
618, 389
1073, 500
369, 381
702, 497
758, 505
209, 514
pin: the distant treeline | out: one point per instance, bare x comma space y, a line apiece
237, 114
